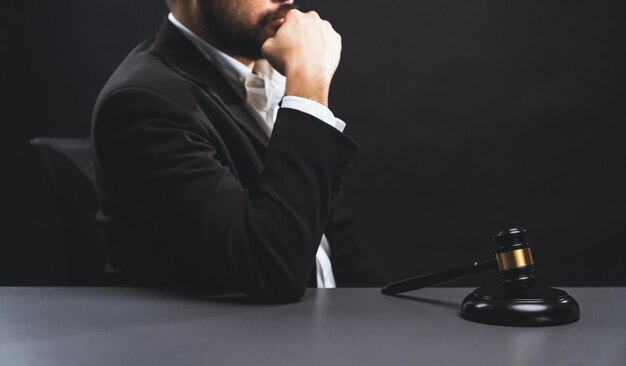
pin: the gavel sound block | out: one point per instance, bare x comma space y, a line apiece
519, 301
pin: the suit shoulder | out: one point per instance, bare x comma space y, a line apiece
145, 69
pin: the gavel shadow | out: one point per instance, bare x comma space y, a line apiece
443, 303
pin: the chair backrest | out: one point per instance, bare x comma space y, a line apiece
70, 171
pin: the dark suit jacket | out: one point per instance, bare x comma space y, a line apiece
193, 193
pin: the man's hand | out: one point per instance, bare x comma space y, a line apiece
306, 49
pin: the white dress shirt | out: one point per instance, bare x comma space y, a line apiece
263, 88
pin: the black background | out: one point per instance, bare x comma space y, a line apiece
472, 117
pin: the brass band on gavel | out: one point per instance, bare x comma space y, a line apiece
517, 258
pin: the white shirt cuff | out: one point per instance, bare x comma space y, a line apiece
313, 108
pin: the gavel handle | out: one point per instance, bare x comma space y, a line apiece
428, 279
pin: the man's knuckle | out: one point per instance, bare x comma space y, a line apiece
294, 13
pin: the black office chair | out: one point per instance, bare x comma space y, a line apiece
70, 172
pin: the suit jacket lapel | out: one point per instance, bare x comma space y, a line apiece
183, 56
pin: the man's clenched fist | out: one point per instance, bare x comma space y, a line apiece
306, 49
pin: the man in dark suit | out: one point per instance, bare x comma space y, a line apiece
194, 192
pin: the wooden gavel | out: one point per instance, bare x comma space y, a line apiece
513, 258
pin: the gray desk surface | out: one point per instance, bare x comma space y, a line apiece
122, 326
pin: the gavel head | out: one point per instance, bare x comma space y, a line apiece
515, 260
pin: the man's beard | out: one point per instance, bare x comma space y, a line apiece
222, 21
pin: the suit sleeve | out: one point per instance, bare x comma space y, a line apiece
353, 260
164, 163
